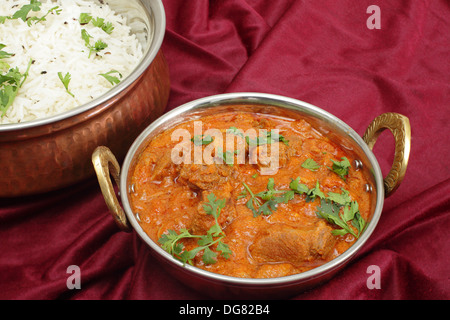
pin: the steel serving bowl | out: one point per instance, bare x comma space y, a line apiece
53, 152
221, 286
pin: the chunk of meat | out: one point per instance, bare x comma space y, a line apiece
269, 156
164, 166
282, 243
204, 177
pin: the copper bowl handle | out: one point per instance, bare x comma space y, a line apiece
106, 165
401, 129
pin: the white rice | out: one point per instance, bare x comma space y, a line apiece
56, 46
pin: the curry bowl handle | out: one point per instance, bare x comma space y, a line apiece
401, 129
105, 166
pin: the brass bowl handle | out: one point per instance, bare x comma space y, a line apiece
106, 165
401, 129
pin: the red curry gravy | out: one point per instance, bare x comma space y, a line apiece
285, 237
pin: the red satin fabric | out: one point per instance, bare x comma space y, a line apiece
320, 52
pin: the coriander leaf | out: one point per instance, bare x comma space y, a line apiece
310, 164
107, 27
98, 22
97, 47
86, 37
270, 193
43, 18
252, 201
4, 54
341, 198
341, 168
13, 77
7, 96
199, 140
100, 45
227, 156
235, 131
224, 249
339, 232
209, 256
298, 187
327, 210
65, 81
242, 194
204, 240
251, 205
187, 256
268, 138
315, 192
84, 18
169, 241
359, 223
215, 230
287, 196
267, 208
270, 197
25, 9
330, 212
278, 137
350, 211
10, 83
214, 205
112, 79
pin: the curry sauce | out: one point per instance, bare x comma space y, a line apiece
250, 195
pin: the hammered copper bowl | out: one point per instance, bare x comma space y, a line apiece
54, 152
220, 286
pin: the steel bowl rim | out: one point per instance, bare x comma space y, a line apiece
158, 36
212, 101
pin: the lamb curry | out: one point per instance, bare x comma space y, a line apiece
250, 195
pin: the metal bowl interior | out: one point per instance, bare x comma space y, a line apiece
147, 21
220, 285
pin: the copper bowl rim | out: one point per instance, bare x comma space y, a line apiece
273, 100
159, 25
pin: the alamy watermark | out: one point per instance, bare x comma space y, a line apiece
74, 280
374, 280
374, 20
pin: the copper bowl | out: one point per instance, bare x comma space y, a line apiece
53, 152
220, 286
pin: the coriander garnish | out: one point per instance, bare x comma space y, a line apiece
235, 131
269, 138
170, 241
23, 12
341, 167
97, 47
10, 81
270, 196
330, 211
112, 79
65, 81
200, 140
227, 156
98, 22
310, 164
329, 208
